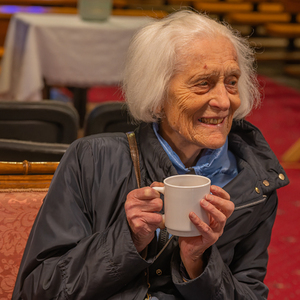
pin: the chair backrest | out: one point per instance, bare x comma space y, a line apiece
16, 150
45, 121
18, 210
109, 117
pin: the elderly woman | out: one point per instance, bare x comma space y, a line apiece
189, 81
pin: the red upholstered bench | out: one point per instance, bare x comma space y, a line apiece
21, 196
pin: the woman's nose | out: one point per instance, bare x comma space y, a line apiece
220, 98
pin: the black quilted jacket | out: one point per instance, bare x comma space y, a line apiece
80, 245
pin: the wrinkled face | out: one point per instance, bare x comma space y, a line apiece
202, 98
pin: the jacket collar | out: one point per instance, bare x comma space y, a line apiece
154, 160
255, 157
256, 161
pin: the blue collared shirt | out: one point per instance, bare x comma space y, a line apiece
219, 165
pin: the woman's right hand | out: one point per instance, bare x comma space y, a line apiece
142, 207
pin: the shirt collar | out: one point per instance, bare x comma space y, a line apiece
212, 162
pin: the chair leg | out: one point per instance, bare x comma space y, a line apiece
46, 90
80, 100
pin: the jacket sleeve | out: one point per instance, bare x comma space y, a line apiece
243, 277
65, 258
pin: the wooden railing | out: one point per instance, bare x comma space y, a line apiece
27, 167
24, 175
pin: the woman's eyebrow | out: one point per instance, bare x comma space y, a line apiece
202, 76
234, 71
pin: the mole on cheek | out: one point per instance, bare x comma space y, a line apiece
205, 66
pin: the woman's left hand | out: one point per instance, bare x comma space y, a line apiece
219, 207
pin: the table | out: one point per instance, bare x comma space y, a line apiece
63, 50
7, 11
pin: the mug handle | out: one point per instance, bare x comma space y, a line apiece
161, 189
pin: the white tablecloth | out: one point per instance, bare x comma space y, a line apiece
63, 50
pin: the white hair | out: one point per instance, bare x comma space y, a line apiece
153, 58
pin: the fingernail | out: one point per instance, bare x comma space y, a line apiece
192, 215
208, 197
204, 202
213, 187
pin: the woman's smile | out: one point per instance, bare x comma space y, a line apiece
211, 121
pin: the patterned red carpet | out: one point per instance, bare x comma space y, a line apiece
279, 120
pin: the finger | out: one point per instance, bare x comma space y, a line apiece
155, 183
218, 216
146, 193
205, 230
216, 190
162, 223
225, 206
154, 219
153, 206
148, 221
135, 205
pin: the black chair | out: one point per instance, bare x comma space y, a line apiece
15, 150
109, 117
45, 121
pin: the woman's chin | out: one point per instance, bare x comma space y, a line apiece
213, 141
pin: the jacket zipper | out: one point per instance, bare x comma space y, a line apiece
251, 204
148, 296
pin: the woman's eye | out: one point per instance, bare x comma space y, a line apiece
232, 85
203, 83
232, 81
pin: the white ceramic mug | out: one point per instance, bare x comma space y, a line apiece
182, 195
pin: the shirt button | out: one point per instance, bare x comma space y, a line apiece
266, 183
257, 190
158, 272
281, 176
